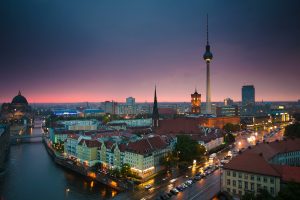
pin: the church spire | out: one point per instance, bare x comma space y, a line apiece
19, 93
155, 114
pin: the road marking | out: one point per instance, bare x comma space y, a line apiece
202, 190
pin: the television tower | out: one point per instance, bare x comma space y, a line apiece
207, 57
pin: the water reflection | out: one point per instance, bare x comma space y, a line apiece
32, 174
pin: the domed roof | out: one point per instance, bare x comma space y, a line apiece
19, 99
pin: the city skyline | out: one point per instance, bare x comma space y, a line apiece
103, 51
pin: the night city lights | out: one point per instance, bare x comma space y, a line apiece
150, 100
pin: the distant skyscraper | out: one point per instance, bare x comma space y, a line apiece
248, 95
208, 57
155, 114
110, 107
130, 101
196, 103
228, 102
248, 100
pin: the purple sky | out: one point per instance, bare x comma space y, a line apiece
70, 51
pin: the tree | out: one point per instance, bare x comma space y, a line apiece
125, 170
248, 196
229, 127
170, 160
292, 130
262, 195
189, 149
289, 191
229, 138
297, 117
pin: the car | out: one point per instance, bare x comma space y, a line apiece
184, 186
179, 188
174, 191
147, 187
197, 178
164, 196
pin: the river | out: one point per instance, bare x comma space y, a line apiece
31, 174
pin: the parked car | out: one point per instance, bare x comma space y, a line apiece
147, 187
174, 191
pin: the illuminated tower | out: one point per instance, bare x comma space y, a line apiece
155, 114
207, 57
196, 102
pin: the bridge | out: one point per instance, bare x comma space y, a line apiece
16, 137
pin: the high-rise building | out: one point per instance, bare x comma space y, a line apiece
110, 107
196, 103
248, 100
228, 102
130, 101
155, 114
208, 57
248, 95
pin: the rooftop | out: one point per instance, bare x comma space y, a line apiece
257, 160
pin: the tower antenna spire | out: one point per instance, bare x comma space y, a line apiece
207, 29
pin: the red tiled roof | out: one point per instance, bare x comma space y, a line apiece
167, 111
147, 145
252, 163
74, 136
288, 173
257, 160
122, 147
90, 143
108, 144
178, 126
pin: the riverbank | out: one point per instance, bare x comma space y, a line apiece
84, 171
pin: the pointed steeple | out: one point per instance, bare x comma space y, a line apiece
155, 114
19, 93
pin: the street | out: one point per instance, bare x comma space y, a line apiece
207, 187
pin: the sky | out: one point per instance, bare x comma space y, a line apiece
96, 50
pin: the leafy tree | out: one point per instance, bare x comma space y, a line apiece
262, 195
229, 138
229, 127
297, 117
248, 196
292, 130
189, 149
289, 191
170, 160
125, 170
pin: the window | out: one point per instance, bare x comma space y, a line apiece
272, 190
258, 187
272, 180
258, 178
228, 173
240, 175
228, 181
234, 182
234, 174
252, 177
240, 184
252, 186
234, 191
246, 176
246, 185
228, 190
265, 179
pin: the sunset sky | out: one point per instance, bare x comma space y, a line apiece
95, 50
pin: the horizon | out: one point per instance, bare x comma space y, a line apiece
106, 51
